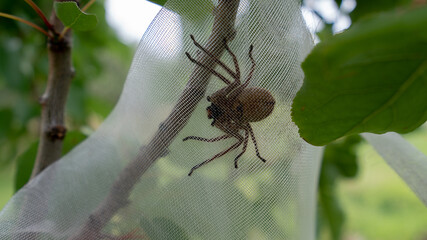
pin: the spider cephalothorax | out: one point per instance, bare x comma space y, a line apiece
234, 106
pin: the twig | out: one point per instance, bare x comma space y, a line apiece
41, 14
53, 100
5, 15
85, 7
223, 27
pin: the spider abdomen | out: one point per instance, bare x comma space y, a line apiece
254, 104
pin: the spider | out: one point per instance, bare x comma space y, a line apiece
234, 107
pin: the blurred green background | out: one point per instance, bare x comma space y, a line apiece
99, 58
376, 203
367, 200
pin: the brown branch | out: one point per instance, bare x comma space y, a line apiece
53, 100
41, 14
117, 198
85, 7
5, 15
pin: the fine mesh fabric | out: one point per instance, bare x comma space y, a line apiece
408, 162
271, 200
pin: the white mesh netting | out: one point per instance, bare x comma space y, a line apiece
408, 162
88, 187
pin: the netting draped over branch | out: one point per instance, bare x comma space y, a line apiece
272, 200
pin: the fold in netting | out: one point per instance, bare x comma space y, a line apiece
408, 162
130, 178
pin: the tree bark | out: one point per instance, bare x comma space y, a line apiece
53, 100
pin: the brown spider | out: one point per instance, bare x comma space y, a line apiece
234, 106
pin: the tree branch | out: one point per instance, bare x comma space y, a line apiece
41, 14
53, 100
5, 15
223, 27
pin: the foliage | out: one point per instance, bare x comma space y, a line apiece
366, 8
99, 58
377, 202
73, 17
376, 85
339, 161
361, 71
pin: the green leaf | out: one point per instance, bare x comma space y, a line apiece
326, 32
371, 78
341, 155
24, 166
159, 2
71, 16
368, 7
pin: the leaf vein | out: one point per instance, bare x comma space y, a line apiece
422, 67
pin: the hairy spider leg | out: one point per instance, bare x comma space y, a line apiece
234, 146
226, 90
245, 145
238, 90
236, 63
255, 143
215, 139
251, 72
211, 70
233, 74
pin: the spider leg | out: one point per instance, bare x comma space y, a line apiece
245, 145
209, 68
233, 74
248, 78
254, 140
234, 146
238, 90
236, 63
207, 139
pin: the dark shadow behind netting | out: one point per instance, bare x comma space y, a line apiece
272, 200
